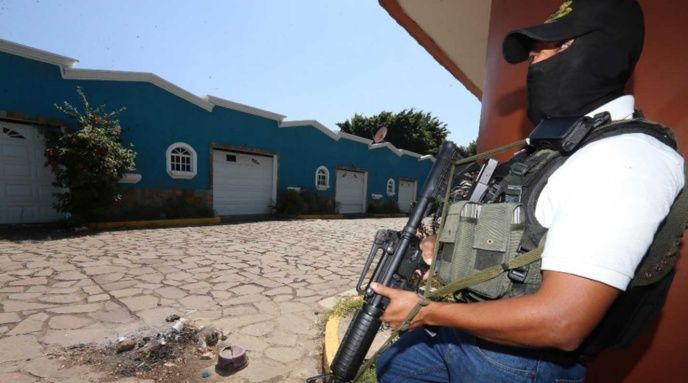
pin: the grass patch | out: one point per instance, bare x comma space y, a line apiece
344, 307
369, 376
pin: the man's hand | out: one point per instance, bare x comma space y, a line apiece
427, 247
400, 304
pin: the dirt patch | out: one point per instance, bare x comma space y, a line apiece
171, 356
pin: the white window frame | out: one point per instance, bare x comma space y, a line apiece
327, 178
178, 174
391, 187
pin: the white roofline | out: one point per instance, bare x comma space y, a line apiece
410, 153
95, 74
36, 54
386, 145
244, 108
208, 102
313, 123
354, 137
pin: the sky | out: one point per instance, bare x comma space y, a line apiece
305, 59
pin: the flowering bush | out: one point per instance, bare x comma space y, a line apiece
89, 161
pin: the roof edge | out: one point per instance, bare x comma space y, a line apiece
36, 54
313, 123
405, 21
244, 108
354, 137
108, 75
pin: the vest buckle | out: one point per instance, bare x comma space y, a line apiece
519, 168
518, 275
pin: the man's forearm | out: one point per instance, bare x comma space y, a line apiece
560, 315
516, 321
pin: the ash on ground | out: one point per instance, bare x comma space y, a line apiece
179, 354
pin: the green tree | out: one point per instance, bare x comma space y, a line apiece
468, 150
89, 161
409, 129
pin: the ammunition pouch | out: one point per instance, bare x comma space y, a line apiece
477, 236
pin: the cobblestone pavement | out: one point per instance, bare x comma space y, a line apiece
259, 282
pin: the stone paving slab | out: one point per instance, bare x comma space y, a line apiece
259, 282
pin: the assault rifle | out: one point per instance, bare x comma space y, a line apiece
399, 258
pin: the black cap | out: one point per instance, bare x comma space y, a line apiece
621, 19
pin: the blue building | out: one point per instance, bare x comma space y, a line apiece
232, 158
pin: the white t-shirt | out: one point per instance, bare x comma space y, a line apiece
604, 204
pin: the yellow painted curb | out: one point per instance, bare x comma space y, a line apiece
390, 215
153, 223
320, 216
331, 341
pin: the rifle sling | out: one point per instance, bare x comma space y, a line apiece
489, 273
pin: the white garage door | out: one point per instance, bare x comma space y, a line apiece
407, 195
26, 191
242, 183
351, 191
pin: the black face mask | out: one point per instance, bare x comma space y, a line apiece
574, 82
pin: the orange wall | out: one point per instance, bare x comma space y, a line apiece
660, 85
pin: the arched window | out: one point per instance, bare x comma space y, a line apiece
390, 187
322, 178
181, 161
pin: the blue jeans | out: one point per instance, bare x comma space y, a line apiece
453, 356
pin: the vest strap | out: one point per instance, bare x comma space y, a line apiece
489, 273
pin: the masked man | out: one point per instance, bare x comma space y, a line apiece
601, 210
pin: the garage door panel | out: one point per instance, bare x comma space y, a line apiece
19, 192
26, 189
46, 192
15, 152
350, 191
242, 183
407, 195
18, 170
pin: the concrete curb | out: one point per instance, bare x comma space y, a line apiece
153, 223
331, 342
334, 328
320, 216
387, 215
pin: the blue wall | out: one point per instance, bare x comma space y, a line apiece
155, 118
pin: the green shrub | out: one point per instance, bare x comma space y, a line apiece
383, 206
88, 162
295, 202
166, 206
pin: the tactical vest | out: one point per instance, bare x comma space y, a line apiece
508, 228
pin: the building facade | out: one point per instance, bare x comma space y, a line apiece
207, 152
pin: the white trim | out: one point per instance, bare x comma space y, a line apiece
365, 192
36, 54
313, 123
327, 178
394, 191
176, 174
410, 153
356, 138
207, 102
108, 75
275, 163
387, 145
130, 178
244, 108
427, 157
